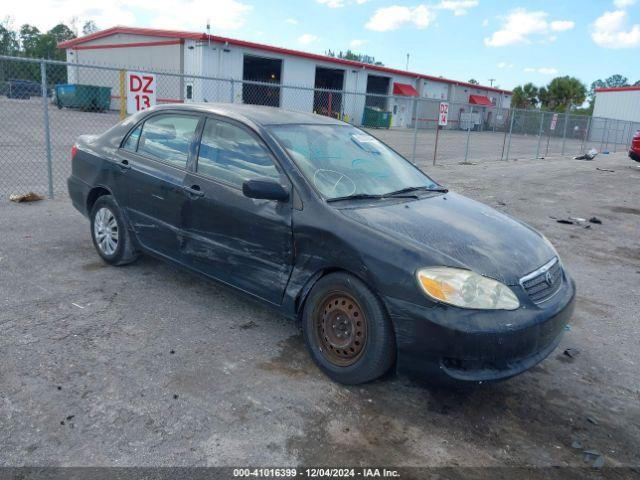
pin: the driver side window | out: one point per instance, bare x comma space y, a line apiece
231, 154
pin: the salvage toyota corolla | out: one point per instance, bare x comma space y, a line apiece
382, 266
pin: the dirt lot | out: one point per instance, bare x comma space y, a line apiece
151, 365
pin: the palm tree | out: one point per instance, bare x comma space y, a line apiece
562, 92
525, 96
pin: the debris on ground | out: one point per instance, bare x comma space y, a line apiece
598, 463
592, 420
578, 219
590, 155
605, 170
248, 325
595, 220
598, 459
26, 197
564, 221
577, 444
571, 352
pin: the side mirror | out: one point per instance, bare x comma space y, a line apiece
265, 189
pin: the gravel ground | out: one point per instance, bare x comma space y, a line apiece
149, 365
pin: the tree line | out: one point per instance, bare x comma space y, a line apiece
29, 41
564, 93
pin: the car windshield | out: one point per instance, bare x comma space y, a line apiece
343, 161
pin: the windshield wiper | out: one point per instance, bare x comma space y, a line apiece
414, 189
366, 196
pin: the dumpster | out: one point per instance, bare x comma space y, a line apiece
85, 97
376, 118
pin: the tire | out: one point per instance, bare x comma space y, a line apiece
111, 238
338, 314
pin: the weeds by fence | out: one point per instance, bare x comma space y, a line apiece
45, 105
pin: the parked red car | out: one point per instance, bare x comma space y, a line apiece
634, 152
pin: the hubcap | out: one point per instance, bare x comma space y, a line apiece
105, 230
341, 329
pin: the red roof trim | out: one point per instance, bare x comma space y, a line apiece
619, 89
480, 100
404, 89
129, 45
269, 48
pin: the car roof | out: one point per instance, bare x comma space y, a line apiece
257, 114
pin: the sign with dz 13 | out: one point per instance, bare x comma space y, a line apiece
141, 91
443, 116
554, 122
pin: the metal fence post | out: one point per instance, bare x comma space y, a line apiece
604, 129
510, 132
540, 134
415, 129
233, 91
466, 151
47, 134
584, 137
564, 132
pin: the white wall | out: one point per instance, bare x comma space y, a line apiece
619, 105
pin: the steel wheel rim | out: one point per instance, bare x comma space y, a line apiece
105, 231
341, 329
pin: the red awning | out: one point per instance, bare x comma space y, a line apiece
405, 89
480, 100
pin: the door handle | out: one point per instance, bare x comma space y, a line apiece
124, 165
193, 190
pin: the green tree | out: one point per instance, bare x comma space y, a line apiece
29, 40
525, 96
89, 27
8, 38
613, 81
562, 92
356, 57
473, 81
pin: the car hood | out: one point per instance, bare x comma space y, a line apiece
456, 231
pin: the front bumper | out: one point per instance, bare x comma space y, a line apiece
634, 155
444, 343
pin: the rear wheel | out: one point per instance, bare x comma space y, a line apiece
347, 330
111, 238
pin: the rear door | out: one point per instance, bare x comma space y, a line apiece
243, 242
154, 161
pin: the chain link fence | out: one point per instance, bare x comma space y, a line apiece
45, 105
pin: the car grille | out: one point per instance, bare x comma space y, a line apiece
543, 283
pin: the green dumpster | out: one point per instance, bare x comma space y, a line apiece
376, 118
85, 97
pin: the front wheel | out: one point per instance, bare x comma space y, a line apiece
111, 238
347, 330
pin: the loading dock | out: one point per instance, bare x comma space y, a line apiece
263, 70
377, 85
324, 102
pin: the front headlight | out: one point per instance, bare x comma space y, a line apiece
466, 289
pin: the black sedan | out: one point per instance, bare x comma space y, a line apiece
382, 266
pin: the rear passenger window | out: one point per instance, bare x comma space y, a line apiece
231, 154
168, 138
132, 140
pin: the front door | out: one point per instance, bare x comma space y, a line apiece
243, 242
156, 155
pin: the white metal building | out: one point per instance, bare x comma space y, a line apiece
620, 103
201, 55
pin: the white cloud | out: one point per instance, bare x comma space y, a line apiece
505, 65
357, 43
307, 38
224, 14
562, 25
485, 22
623, 3
520, 24
292, 21
458, 7
332, 3
396, 16
542, 70
610, 31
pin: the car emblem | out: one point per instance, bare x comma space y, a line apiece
548, 278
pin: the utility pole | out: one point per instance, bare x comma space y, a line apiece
491, 80
407, 62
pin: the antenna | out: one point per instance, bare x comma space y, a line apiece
209, 30
407, 62
491, 80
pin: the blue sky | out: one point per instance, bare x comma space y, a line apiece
510, 41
